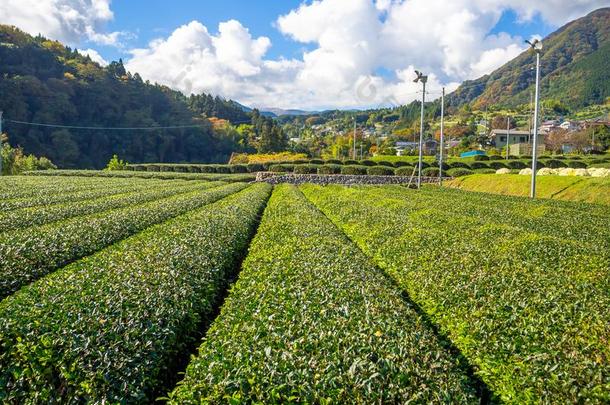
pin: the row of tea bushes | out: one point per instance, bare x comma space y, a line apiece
63, 191
109, 328
311, 320
526, 306
32, 216
31, 253
146, 175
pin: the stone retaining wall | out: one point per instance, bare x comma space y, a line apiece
278, 178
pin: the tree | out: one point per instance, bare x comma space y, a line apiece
555, 140
500, 122
116, 164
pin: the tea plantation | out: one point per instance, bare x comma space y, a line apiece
202, 288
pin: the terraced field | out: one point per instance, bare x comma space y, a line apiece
131, 290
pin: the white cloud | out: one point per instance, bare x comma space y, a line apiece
94, 55
69, 21
352, 40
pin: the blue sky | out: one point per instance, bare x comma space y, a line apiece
299, 54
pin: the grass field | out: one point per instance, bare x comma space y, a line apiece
129, 290
587, 189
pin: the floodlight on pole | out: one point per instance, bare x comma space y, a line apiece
536, 46
421, 78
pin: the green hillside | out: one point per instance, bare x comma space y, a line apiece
573, 64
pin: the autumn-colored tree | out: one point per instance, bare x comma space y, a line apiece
500, 122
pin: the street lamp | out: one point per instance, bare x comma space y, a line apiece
536, 46
421, 78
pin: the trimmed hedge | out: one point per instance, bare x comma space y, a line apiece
430, 172
459, 172
255, 167
478, 158
554, 163
498, 165
495, 157
316, 162
354, 169
402, 164
484, 171
124, 174
479, 165
83, 335
516, 164
367, 163
31, 253
458, 165
306, 169
385, 163
350, 162
239, 169
310, 320
380, 171
405, 171
329, 169
334, 162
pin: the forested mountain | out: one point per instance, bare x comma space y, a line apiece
41, 81
574, 68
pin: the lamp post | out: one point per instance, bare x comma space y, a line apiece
536, 46
421, 78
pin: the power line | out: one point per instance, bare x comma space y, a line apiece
38, 124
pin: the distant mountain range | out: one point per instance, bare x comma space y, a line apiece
575, 66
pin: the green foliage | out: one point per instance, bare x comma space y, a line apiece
14, 161
479, 165
130, 320
329, 169
31, 253
380, 170
405, 171
459, 172
306, 169
311, 320
430, 172
354, 170
149, 174
478, 158
513, 279
116, 164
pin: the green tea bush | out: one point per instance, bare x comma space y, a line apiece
538, 291
554, 163
281, 168
310, 320
367, 163
239, 169
479, 158
108, 328
459, 172
306, 169
255, 167
430, 172
459, 165
329, 169
401, 164
484, 171
350, 162
577, 164
333, 162
498, 165
380, 171
495, 157
385, 163
316, 161
516, 164
479, 165
31, 253
354, 169
405, 171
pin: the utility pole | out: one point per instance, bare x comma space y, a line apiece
1, 112
529, 123
354, 154
423, 79
360, 150
536, 45
440, 163
507, 136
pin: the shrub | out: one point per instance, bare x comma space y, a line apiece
559, 157
430, 172
459, 172
280, 168
516, 164
350, 162
445, 165
329, 169
239, 169
401, 163
495, 157
539, 164
153, 168
555, 164
405, 171
479, 165
316, 161
207, 169
255, 167
353, 169
484, 171
576, 164
333, 162
478, 158
222, 169
498, 165
296, 162
458, 165
385, 163
576, 157
367, 163
380, 171
116, 164
544, 157
306, 169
